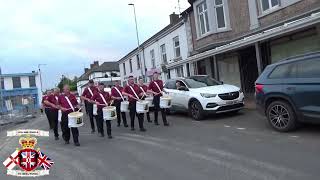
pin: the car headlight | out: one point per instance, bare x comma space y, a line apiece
207, 95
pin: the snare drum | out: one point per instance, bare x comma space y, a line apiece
75, 119
109, 113
149, 99
142, 107
165, 102
124, 106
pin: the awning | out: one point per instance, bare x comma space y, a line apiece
314, 18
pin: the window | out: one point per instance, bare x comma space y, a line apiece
32, 81
153, 60
138, 61
308, 69
179, 71
170, 85
284, 71
163, 54
124, 68
220, 13
188, 69
203, 18
176, 45
269, 4
2, 83
130, 65
16, 81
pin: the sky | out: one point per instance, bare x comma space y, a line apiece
68, 35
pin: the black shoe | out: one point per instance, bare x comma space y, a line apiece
132, 129
110, 137
101, 135
126, 125
166, 124
93, 131
56, 138
118, 125
77, 144
156, 123
149, 121
66, 142
143, 130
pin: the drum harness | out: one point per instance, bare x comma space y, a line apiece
143, 91
103, 99
119, 93
69, 103
134, 92
157, 86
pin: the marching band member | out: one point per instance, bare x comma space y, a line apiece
116, 93
102, 98
134, 93
156, 88
144, 90
86, 96
47, 107
52, 102
68, 103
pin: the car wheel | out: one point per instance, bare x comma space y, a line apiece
281, 116
196, 110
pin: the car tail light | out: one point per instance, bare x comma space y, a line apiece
259, 88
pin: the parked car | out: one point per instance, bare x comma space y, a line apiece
288, 92
200, 95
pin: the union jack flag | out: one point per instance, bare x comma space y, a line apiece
44, 161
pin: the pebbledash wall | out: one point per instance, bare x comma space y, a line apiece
152, 53
19, 86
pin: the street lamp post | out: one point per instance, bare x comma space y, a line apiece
39, 68
137, 33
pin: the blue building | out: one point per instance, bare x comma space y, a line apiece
20, 91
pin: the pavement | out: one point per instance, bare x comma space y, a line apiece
224, 147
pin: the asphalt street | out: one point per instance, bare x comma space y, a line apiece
224, 147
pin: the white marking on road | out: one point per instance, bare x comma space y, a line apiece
227, 126
241, 128
295, 136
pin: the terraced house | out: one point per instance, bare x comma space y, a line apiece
233, 40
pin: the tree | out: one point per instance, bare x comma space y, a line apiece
72, 83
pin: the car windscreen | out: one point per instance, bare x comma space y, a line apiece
201, 81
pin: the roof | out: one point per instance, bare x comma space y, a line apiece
19, 74
106, 66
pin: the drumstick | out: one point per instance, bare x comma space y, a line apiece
79, 110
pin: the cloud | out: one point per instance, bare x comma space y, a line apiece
68, 35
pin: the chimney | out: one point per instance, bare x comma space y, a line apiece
174, 18
86, 70
94, 65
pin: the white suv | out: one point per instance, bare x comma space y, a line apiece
200, 95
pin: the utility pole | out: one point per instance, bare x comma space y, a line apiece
40, 75
138, 40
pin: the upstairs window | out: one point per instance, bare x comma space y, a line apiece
163, 54
138, 61
130, 65
32, 81
269, 4
2, 83
153, 60
220, 13
124, 68
176, 46
16, 81
203, 18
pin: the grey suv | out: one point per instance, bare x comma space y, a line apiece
288, 92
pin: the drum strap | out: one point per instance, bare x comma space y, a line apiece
90, 91
103, 99
143, 91
134, 92
69, 102
56, 98
119, 93
157, 86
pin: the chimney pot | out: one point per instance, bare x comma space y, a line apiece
174, 18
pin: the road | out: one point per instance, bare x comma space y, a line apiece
229, 147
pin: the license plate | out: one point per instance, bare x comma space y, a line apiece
231, 102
